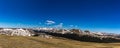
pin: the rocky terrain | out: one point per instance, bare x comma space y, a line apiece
74, 34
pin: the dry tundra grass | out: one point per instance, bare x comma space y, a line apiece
38, 42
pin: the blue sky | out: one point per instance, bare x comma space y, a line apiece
94, 15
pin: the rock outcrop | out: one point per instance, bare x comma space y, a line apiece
16, 32
74, 34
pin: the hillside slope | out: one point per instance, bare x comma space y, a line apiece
38, 42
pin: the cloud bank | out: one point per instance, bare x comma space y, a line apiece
50, 22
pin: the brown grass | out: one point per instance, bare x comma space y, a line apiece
38, 42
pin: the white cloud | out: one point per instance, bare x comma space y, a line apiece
59, 25
50, 22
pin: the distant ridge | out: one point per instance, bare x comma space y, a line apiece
74, 34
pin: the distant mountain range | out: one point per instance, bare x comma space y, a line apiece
74, 34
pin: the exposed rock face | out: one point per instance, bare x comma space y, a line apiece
21, 32
74, 34
88, 36
16, 32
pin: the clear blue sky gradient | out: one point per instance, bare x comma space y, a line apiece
95, 15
